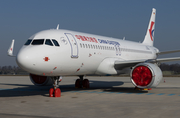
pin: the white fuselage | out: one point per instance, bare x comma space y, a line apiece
78, 53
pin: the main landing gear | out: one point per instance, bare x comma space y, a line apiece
55, 92
82, 83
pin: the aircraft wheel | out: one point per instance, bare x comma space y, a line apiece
57, 93
51, 92
77, 83
86, 83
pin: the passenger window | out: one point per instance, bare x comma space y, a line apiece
55, 42
38, 42
48, 42
28, 42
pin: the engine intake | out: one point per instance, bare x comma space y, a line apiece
146, 75
40, 80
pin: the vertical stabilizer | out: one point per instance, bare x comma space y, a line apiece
149, 37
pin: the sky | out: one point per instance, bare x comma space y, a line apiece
20, 19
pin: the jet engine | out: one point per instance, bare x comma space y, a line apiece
40, 80
146, 75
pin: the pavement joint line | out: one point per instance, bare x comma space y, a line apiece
150, 93
74, 91
64, 91
92, 92
171, 94
161, 94
82, 91
139, 93
101, 92
108, 92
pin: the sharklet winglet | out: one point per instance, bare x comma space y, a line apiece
57, 27
10, 50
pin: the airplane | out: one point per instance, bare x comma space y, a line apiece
50, 54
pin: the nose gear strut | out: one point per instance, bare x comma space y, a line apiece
55, 92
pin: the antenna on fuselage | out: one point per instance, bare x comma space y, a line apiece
57, 27
123, 38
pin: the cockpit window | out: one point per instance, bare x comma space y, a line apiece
38, 42
55, 42
28, 42
48, 42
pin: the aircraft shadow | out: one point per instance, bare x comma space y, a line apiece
31, 90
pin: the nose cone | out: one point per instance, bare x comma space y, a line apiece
25, 60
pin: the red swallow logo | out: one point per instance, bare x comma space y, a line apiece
151, 31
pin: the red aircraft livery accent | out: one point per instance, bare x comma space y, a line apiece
46, 59
85, 38
151, 31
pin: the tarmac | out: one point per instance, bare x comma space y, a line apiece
107, 97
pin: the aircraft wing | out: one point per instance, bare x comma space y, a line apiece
124, 64
168, 52
130, 63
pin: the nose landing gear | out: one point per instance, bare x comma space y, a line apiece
55, 92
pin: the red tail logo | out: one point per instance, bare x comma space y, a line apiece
151, 31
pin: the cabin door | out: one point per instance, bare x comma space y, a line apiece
73, 45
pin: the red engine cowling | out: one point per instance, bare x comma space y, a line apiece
40, 80
146, 75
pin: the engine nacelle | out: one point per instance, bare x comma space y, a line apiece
40, 80
146, 75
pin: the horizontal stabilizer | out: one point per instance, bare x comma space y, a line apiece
168, 59
168, 52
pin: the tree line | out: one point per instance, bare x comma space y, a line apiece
13, 70
175, 68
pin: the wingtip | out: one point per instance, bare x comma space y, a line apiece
57, 27
10, 50
153, 9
